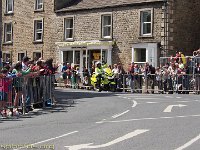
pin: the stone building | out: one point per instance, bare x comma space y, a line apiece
184, 26
84, 32
117, 31
0, 28
29, 28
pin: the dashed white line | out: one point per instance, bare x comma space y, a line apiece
141, 119
118, 115
152, 102
182, 101
178, 97
189, 143
49, 139
147, 98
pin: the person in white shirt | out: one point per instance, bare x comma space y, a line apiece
25, 61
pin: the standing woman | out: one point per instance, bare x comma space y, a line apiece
19, 82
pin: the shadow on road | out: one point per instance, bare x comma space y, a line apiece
64, 99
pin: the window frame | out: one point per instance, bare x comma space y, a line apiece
7, 11
6, 32
35, 32
102, 26
21, 57
65, 29
37, 4
34, 52
4, 54
142, 23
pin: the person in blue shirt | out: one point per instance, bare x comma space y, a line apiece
64, 75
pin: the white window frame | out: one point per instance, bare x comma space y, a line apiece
9, 11
106, 26
36, 31
4, 58
8, 32
65, 28
35, 53
37, 4
20, 53
142, 23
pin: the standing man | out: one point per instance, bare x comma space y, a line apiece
131, 76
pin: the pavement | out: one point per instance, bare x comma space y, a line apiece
107, 121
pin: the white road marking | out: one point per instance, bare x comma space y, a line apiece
49, 139
169, 96
147, 98
169, 108
183, 101
197, 100
178, 97
134, 104
141, 119
189, 143
152, 102
120, 139
118, 115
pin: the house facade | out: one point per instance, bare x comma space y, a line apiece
84, 32
119, 32
183, 26
0, 31
28, 29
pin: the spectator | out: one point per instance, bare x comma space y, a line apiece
19, 82
25, 62
137, 73
197, 77
131, 77
64, 73
86, 76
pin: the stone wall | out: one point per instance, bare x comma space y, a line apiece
23, 29
184, 26
0, 23
126, 28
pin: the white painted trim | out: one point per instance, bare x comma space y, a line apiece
148, 47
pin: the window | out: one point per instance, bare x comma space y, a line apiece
39, 5
20, 56
140, 55
68, 56
146, 22
38, 30
9, 6
106, 24
37, 55
8, 32
6, 57
69, 28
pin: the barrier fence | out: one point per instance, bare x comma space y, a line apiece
20, 94
151, 83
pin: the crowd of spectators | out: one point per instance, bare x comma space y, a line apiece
21, 78
174, 73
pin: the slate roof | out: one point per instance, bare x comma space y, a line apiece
92, 4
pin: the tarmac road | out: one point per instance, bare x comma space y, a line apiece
108, 121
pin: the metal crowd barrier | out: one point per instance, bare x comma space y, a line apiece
25, 92
142, 83
179, 83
